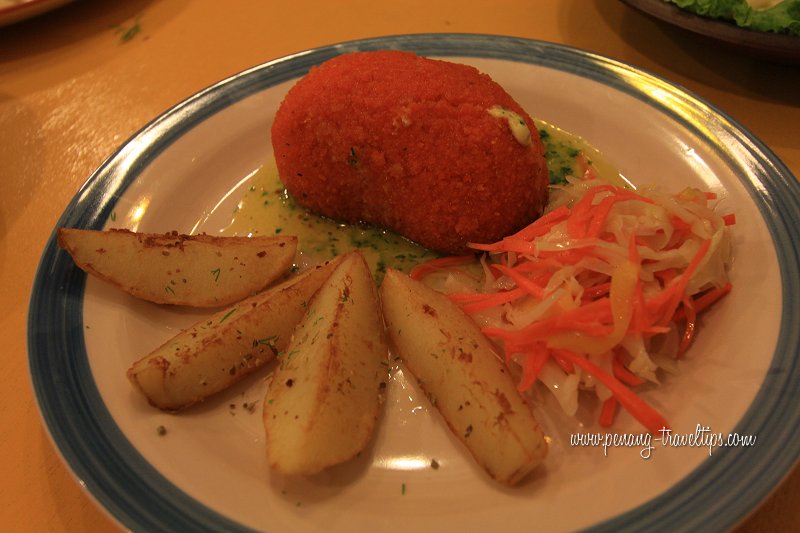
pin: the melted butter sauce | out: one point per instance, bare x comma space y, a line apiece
519, 129
266, 208
566, 152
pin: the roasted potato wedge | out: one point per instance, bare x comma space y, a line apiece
193, 270
458, 369
323, 402
219, 351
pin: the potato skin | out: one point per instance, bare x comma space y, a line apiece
220, 350
176, 269
457, 367
323, 401
408, 143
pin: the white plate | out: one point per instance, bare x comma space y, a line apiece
189, 167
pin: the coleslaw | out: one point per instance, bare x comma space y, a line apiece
601, 294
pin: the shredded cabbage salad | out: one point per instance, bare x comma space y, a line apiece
601, 294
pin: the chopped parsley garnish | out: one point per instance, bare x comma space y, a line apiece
126, 34
228, 314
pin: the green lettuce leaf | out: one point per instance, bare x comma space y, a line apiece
721, 9
781, 18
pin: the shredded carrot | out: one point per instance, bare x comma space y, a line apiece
664, 305
608, 412
596, 291
617, 280
589, 172
623, 374
493, 300
679, 225
582, 211
602, 210
688, 332
600, 215
565, 364
704, 301
593, 317
532, 265
632, 195
646, 415
532, 364
506, 245
521, 280
667, 275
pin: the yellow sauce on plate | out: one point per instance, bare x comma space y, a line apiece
266, 208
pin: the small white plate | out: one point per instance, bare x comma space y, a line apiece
188, 168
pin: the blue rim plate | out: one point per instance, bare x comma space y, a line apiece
720, 491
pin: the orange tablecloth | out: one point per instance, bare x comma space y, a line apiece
72, 89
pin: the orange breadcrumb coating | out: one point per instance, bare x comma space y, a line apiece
407, 143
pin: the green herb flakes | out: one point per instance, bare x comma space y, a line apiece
128, 33
228, 314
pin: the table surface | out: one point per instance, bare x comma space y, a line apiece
74, 85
